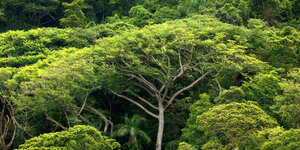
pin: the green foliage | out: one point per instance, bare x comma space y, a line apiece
287, 105
74, 16
172, 145
3, 19
278, 47
234, 94
6, 74
140, 16
263, 88
185, 146
90, 24
156, 53
213, 144
131, 127
239, 11
52, 81
139, 12
154, 5
256, 24
113, 19
283, 52
229, 13
52, 88
55, 85
214, 40
277, 138
26, 14
122, 7
78, 138
230, 125
191, 133
165, 14
20, 48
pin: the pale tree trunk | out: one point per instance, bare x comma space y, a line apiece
161, 122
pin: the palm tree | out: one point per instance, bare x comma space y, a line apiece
131, 128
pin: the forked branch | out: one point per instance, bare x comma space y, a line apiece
185, 88
136, 103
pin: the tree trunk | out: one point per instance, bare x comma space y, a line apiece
160, 127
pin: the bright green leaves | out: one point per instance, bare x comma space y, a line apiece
233, 94
277, 138
65, 76
164, 14
185, 146
229, 13
139, 12
191, 133
56, 86
21, 48
256, 24
263, 88
74, 16
284, 50
287, 105
277, 47
140, 16
53, 82
239, 11
77, 138
231, 124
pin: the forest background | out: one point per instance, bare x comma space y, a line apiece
149, 74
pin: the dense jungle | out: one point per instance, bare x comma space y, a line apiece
150, 74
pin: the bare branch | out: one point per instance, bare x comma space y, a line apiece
217, 81
185, 88
86, 97
102, 116
147, 83
67, 119
143, 87
182, 68
54, 121
162, 88
136, 103
219, 86
83, 105
153, 68
14, 134
169, 62
8, 120
144, 81
142, 99
154, 59
165, 93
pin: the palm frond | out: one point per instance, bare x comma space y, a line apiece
143, 135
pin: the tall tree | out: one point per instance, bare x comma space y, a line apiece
159, 63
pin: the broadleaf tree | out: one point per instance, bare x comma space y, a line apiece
152, 62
